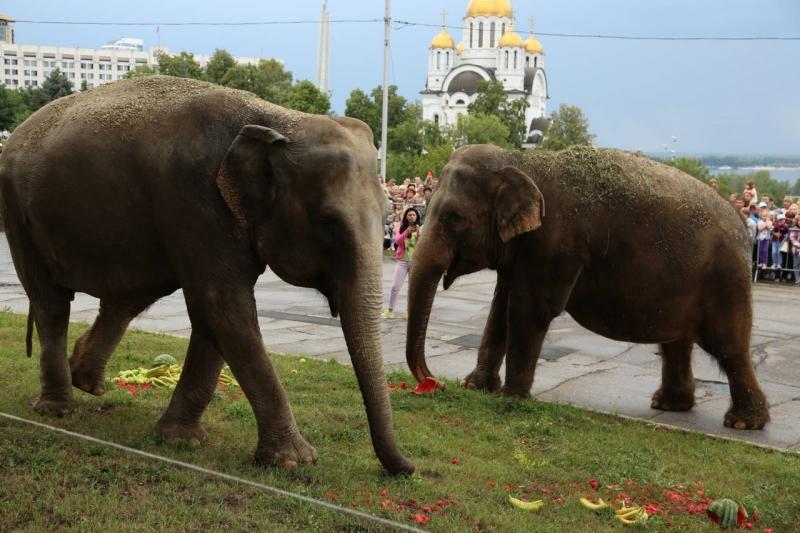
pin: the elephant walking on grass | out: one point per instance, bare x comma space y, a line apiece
632, 249
137, 188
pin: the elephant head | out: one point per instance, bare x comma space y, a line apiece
482, 204
312, 208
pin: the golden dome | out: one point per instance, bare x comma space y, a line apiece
460, 48
532, 45
490, 8
510, 39
443, 40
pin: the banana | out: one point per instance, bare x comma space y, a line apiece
626, 521
630, 512
526, 506
594, 506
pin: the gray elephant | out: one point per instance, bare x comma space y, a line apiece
137, 188
632, 249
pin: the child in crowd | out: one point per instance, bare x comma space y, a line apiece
779, 232
764, 230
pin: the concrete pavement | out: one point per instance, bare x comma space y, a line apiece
576, 367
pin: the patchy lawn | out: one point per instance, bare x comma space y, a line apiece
472, 451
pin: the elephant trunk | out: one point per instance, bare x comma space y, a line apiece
359, 310
431, 259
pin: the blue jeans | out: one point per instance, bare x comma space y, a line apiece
777, 261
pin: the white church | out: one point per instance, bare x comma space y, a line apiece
490, 49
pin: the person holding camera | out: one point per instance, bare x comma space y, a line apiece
405, 242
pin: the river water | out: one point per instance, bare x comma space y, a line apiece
789, 174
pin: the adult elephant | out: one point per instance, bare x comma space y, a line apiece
137, 188
632, 249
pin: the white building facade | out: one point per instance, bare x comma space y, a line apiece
26, 65
491, 50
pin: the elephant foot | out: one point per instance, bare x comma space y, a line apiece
58, 407
515, 391
288, 453
753, 416
672, 400
89, 380
173, 432
481, 381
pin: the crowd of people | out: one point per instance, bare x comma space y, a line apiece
774, 232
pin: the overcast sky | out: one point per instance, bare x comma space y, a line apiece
740, 97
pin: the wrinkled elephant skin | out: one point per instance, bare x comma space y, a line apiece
633, 249
135, 189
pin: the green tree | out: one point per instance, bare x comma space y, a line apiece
218, 65
11, 107
481, 129
139, 72
305, 97
493, 101
368, 108
34, 98
182, 65
693, 167
268, 80
568, 126
359, 105
57, 85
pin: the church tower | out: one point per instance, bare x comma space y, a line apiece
490, 50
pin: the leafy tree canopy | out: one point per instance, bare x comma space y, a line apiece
218, 65
182, 65
568, 126
306, 97
56, 85
493, 101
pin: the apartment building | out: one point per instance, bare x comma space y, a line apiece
26, 65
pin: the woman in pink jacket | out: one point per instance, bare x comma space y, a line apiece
405, 241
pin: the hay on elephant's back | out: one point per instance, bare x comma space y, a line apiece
126, 104
603, 178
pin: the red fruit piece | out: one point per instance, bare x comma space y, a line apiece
385, 503
594, 484
491, 485
429, 385
455, 461
421, 518
384, 491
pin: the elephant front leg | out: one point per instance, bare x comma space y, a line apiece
181, 421
534, 301
486, 375
230, 320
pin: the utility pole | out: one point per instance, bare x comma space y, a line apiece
387, 27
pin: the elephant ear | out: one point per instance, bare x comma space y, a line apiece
245, 176
519, 204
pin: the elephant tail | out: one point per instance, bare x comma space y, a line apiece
29, 333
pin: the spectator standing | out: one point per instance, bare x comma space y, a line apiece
794, 246
764, 230
713, 184
406, 240
779, 232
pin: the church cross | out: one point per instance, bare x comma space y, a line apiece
532, 22
444, 19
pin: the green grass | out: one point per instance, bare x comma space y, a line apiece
529, 449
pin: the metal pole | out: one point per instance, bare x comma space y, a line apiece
387, 21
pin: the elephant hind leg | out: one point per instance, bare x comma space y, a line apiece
726, 336
677, 382
93, 349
